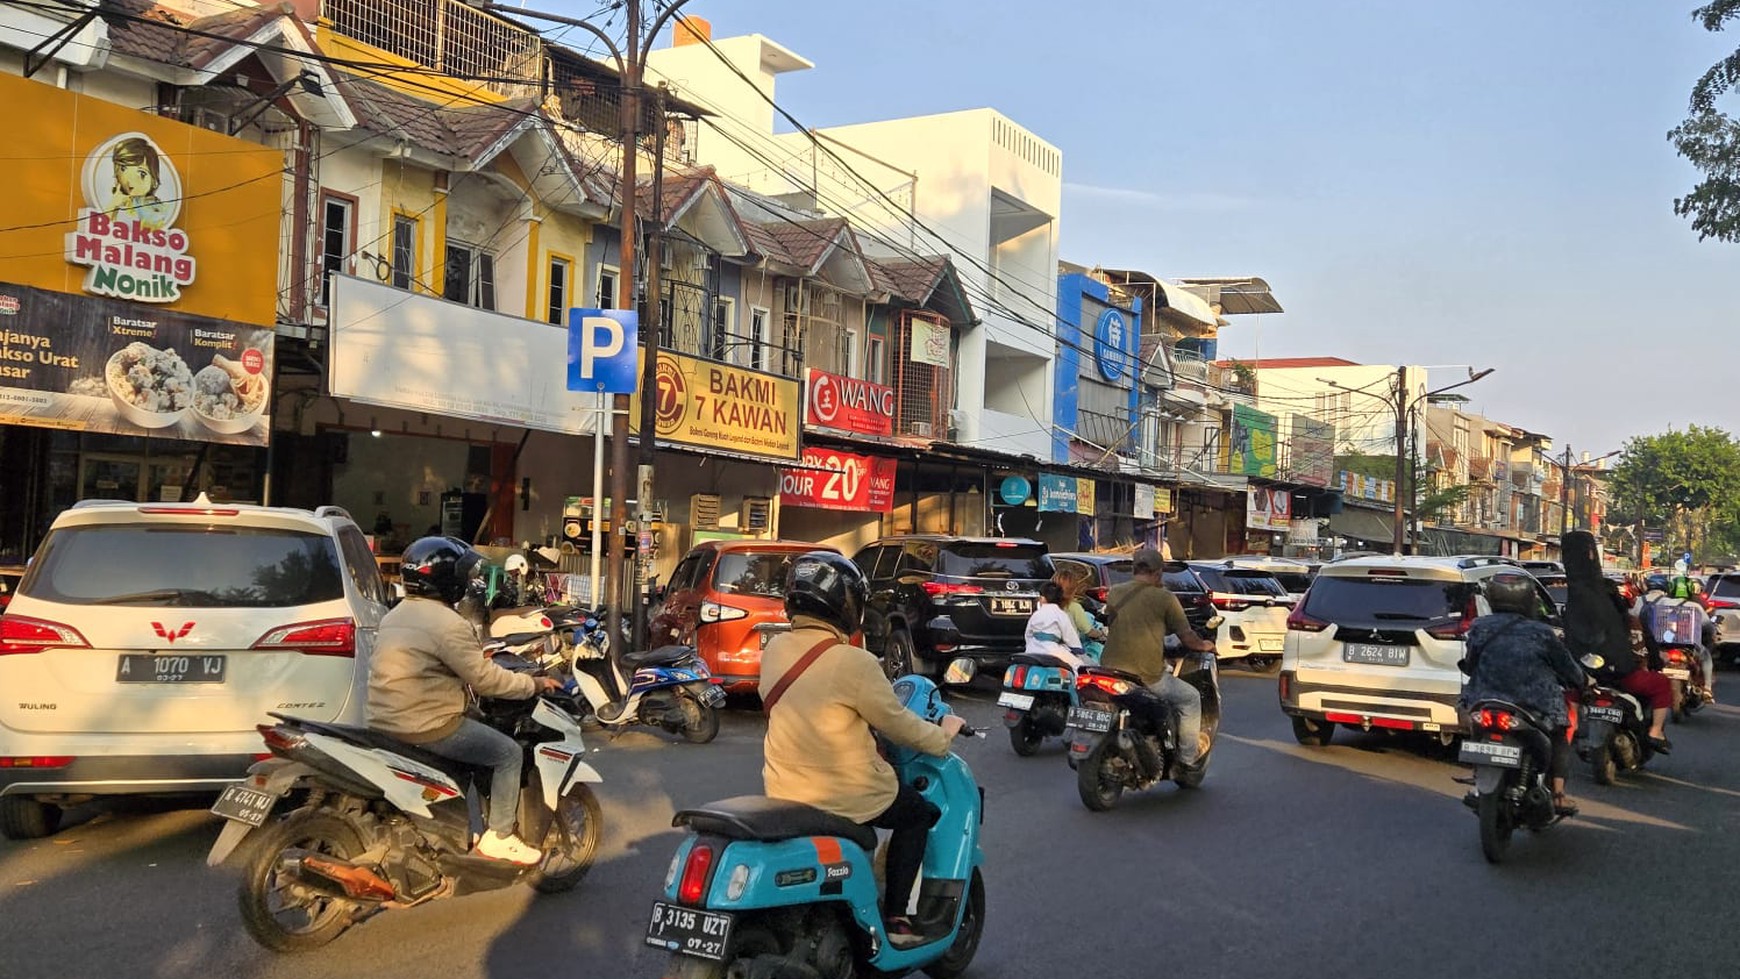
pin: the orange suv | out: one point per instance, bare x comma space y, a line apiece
727, 599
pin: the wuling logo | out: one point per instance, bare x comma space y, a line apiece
170, 635
127, 235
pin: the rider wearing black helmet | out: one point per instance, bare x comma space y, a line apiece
825, 700
425, 656
1514, 656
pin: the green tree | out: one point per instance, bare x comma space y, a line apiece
1710, 140
1685, 482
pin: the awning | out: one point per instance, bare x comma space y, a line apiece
1188, 304
1365, 525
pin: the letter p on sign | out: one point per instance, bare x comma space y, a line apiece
603, 350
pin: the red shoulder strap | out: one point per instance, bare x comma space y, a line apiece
792, 674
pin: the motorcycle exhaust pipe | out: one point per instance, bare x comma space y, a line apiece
351, 880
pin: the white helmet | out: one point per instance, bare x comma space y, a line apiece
516, 564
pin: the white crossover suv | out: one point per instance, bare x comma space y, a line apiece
147, 640
1377, 643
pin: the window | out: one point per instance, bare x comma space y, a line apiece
243, 567
760, 573
758, 338
999, 560
360, 561
470, 275
561, 273
876, 360
604, 297
724, 327
848, 353
337, 229
404, 251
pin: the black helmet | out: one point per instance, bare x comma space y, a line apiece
1513, 592
439, 568
829, 587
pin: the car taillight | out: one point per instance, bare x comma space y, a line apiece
1714, 604
1230, 604
37, 761
1451, 630
715, 612
22, 634
188, 511
695, 871
327, 637
1100, 594
1298, 621
935, 588
1496, 720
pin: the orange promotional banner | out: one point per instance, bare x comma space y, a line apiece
721, 406
112, 202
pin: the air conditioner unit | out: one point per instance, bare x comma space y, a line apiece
704, 511
796, 300
920, 429
757, 515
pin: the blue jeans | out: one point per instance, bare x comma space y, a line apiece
476, 743
1187, 703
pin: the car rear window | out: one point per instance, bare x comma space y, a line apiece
994, 561
1118, 572
1333, 598
1177, 581
1238, 581
154, 565
1727, 586
760, 573
1293, 581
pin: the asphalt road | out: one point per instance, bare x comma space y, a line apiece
1348, 861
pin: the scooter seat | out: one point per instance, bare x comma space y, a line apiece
369, 738
658, 656
766, 820
1038, 659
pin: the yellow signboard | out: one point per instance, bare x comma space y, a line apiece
108, 201
1084, 496
720, 406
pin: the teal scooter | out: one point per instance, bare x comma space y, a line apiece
768, 889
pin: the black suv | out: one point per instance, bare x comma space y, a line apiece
1193, 593
936, 597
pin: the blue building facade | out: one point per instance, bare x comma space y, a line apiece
1098, 398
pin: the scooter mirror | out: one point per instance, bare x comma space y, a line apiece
1593, 661
960, 672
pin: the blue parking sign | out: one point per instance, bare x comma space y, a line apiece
603, 350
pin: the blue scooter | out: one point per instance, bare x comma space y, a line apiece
1038, 691
769, 889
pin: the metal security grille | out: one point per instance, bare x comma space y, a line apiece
449, 36
924, 392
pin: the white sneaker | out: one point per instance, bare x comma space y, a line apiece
511, 848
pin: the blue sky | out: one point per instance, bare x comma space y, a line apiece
1478, 182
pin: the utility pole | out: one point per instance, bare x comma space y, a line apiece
630, 61
1565, 499
1401, 406
653, 323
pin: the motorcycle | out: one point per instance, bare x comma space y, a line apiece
667, 687
1613, 730
1122, 736
366, 823
1038, 691
1679, 630
771, 889
1685, 669
1512, 752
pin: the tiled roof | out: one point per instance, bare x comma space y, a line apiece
477, 127
386, 111
807, 241
151, 33
910, 279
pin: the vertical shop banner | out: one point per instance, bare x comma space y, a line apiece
1057, 494
1250, 443
106, 365
1144, 506
1268, 509
1312, 451
832, 480
719, 406
849, 404
930, 343
106, 200
1084, 497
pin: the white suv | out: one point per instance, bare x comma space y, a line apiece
1377, 642
147, 640
1253, 607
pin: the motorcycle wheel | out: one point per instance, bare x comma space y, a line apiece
1191, 778
1265, 665
1312, 734
571, 843
1601, 764
1091, 779
700, 722
1679, 711
960, 954
276, 917
750, 943
1024, 739
1495, 827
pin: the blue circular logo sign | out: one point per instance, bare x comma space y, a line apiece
1015, 490
1111, 337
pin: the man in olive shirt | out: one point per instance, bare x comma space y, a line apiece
1142, 613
